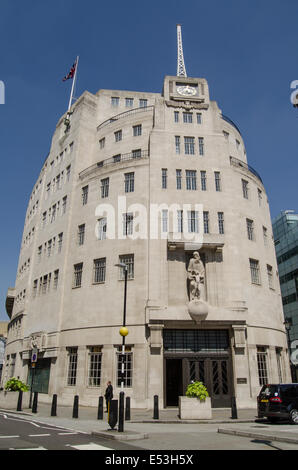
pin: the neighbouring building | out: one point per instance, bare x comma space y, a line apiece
3, 335
285, 230
159, 182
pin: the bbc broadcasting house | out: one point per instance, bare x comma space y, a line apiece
124, 154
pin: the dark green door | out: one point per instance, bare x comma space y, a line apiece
40, 376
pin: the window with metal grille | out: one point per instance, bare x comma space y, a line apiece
94, 371
129, 182
78, 272
178, 179
217, 180
99, 270
262, 365
118, 135
193, 221
199, 341
137, 130
72, 366
129, 261
189, 145
187, 117
176, 116
191, 179
127, 221
128, 364
180, 221
206, 221
177, 144
254, 271
203, 180
143, 103
164, 178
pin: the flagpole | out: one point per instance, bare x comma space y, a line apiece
73, 84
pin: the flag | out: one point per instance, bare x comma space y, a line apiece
71, 72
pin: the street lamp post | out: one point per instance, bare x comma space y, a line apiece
123, 332
288, 323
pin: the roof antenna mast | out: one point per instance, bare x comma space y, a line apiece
181, 71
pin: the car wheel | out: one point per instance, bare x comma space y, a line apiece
294, 416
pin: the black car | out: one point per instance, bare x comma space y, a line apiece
278, 401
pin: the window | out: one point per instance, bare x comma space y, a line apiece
201, 145
35, 283
199, 118
250, 229
102, 228
189, 145
220, 218
226, 135
187, 117
60, 241
245, 189
206, 221
178, 179
262, 365
117, 158
94, 370
237, 144
203, 181
64, 202
78, 272
53, 216
260, 197
164, 178
177, 144
127, 223
137, 130
105, 187
49, 247
115, 101
118, 136
129, 182
164, 220
191, 179
129, 261
265, 236
81, 234
129, 102
270, 276
56, 278
85, 195
137, 153
176, 116
102, 143
143, 103
180, 221
44, 218
193, 221
99, 270
127, 361
217, 180
255, 271
72, 366
68, 173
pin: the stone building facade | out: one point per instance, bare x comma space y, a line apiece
148, 179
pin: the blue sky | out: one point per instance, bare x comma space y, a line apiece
247, 50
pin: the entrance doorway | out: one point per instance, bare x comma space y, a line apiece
198, 355
41, 376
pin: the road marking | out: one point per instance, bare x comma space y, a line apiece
31, 448
66, 433
8, 437
90, 446
38, 435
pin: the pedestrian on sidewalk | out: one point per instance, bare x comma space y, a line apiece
108, 395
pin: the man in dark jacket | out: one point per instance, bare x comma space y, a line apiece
108, 395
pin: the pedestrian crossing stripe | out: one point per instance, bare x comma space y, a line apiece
90, 446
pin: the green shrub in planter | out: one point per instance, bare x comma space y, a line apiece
197, 390
15, 385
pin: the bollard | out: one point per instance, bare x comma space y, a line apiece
155, 407
127, 409
113, 413
234, 408
54, 406
20, 398
100, 408
121, 412
75, 411
35, 400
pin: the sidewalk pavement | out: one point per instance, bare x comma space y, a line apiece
142, 425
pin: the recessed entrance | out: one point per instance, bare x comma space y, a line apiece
202, 355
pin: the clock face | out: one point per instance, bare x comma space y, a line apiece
186, 90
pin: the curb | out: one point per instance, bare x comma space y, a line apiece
123, 436
193, 421
268, 437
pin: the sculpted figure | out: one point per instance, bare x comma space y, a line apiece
196, 275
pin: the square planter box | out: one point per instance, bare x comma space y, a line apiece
193, 408
9, 400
